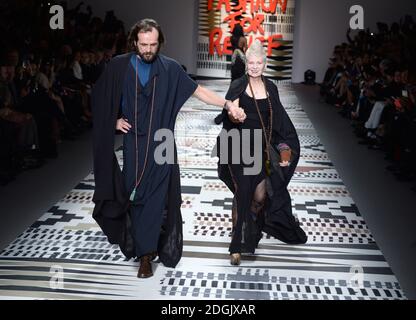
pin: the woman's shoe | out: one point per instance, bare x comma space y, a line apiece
235, 259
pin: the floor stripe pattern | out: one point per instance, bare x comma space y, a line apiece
64, 255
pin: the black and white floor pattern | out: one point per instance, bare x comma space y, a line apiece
64, 255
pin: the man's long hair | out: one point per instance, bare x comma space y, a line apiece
145, 25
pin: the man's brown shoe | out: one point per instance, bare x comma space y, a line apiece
235, 259
145, 269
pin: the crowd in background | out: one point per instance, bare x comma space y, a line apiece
372, 81
46, 78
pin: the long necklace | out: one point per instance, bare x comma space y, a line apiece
138, 180
268, 138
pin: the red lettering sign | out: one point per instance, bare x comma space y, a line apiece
251, 24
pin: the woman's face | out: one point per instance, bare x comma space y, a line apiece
255, 66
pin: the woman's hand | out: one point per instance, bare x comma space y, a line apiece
123, 125
235, 113
285, 156
234, 120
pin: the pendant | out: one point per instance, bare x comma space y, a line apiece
133, 195
268, 168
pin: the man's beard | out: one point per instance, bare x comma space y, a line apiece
148, 57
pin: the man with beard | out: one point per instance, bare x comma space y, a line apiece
138, 94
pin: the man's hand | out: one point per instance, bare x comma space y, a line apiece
235, 113
123, 125
210, 97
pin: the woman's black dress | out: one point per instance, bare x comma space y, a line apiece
246, 232
275, 217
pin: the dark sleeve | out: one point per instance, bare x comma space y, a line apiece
283, 129
238, 69
235, 89
185, 88
103, 135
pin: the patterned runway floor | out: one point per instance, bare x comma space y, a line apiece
64, 255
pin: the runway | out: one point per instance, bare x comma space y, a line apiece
341, 260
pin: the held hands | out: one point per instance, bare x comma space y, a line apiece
123, 125
235, 113
285, 156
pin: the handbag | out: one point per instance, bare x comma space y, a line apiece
276, 159
275, 168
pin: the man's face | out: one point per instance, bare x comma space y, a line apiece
148, 45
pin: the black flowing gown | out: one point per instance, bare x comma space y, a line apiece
245, 232
276, 219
